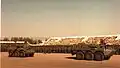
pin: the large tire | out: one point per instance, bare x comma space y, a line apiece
32, 55
16, 54
80, 55
99, 56
10, 53
89, 55
27, 55
22, 54
49, 51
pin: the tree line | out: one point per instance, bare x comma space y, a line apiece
30, 40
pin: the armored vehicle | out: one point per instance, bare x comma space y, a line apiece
23, 50
93, 52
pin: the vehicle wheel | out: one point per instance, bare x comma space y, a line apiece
10, 53
80, 55
16, 54
89, 56
99, 56
21, 54
49, 51
32, 54
27, 55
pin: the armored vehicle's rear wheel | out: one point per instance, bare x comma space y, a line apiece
13, 54
99, 56
10, 53
89, 55
49, 51
22, 54
79, 55
16, 54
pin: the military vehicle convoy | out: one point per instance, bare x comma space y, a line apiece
22, 50
82, 51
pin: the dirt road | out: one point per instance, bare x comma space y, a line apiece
56, 61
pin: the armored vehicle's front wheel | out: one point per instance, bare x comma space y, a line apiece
89, 56
31, 55
79, 55
99, 56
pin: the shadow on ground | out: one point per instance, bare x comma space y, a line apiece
74, 58
71, 58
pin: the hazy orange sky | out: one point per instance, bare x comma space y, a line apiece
60, 17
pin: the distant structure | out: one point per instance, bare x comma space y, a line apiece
85, 38
11, 42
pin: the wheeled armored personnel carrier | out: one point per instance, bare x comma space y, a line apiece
21, 50
93, 52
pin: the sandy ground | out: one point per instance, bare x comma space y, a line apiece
56, 61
